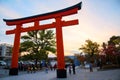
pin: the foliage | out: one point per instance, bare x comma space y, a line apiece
81, 58
115, 41
112, 50
90, 47
38, 44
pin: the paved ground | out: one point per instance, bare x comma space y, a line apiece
81, 74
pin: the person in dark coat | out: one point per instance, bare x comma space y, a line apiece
91, 68
70, 68
33, 68
73, 68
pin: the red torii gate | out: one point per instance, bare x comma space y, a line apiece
57, 15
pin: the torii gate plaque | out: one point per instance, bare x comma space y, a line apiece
57, 15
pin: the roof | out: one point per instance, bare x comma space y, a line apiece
45, 14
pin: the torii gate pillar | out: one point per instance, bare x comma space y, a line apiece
58, 24
61, 72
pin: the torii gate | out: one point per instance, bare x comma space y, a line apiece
57, 15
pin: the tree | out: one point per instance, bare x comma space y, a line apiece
81, 58
38, 43
115, 41
112, 50
90, 48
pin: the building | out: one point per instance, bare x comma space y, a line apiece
5, 51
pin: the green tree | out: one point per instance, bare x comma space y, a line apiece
90, 48
38, 43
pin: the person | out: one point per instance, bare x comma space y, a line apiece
70, 67
55, 66
73, 68
40, 66
100, 65
33, 68
51, 68
46, 67
91, 69
28, 68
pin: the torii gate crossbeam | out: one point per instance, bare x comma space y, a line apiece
57, 15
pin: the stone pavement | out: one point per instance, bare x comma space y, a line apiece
81, 74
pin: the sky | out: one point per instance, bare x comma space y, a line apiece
98, 19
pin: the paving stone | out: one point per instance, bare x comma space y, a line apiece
81, 74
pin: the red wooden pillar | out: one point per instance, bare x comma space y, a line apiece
15, 54
61, 72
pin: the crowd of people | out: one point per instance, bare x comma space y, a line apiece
32, 68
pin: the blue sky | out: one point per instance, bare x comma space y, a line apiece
98, 19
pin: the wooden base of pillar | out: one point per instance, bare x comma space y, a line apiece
13, 71
61, 73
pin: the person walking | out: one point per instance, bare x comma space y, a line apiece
33, 67
70, 68
28, 68
91, 69
46, 67
73, 68
55, 66
51, 68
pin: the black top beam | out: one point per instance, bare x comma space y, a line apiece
62, 10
